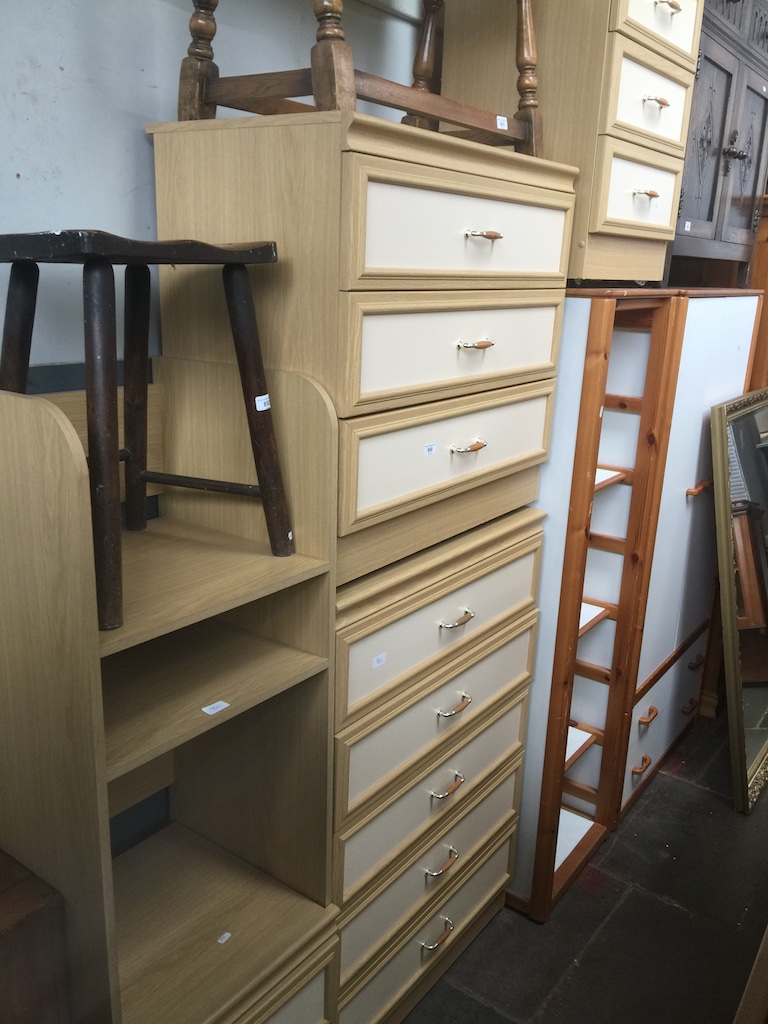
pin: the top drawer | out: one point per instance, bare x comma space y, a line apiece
403, 223
671, 27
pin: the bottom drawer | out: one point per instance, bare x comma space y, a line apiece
307, 996
425, 943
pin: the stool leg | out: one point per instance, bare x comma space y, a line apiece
136, 354
17, 329
103, 444
242, 317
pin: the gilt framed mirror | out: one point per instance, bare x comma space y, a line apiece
740, 472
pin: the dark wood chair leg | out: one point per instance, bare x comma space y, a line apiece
242, 316
136, 355
17, 328
103, 443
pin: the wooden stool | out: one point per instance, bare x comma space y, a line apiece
98, 252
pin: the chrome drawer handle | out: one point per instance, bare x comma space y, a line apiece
656, 99
429, 947
451, 789
485, 343
453, 856
463, 704
461, 621
646, 192
672, 6
476, 446
492, 236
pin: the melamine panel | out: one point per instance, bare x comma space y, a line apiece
672, 27
636, 192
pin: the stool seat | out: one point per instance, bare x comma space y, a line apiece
98, 252
81, 246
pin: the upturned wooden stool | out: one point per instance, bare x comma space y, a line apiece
99, 252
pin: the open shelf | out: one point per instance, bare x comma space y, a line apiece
590, 615
155, 694
608, 477
176, 573
199, 931
578, 741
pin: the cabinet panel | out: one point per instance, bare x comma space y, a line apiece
672, 28
636, 192
746, 173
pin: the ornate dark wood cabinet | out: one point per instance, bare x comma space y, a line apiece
727, 150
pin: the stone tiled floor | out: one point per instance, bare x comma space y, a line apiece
661, 927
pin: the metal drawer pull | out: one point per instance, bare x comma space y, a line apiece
452, 858
464, 703
451, 789
651, 193
647, 719
429, 947
672, 6
492, 236
645, 763
697, 662
688, 708
656, 99
476, 446
485, 343
461, 621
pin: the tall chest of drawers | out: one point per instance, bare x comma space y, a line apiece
420, 282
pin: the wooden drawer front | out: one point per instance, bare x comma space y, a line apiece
455, 851
380, 748
392, 463
369, 1005
649, 96
674, 698
619, 203
416, 231
653, 22
411, 343
377, 658
367, 850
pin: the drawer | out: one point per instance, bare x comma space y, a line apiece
425, 944
393, 463
381, 747
671, 27
433, 227
308, 995
636, 191
425, 878
422, 626
647, 98
437, 792
406, 346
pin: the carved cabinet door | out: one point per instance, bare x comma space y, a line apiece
704, 173
744, 164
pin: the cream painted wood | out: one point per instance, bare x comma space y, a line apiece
621, 204
370, 1003
406, 345
393, 462
307, 1005
450, 855
649, 101
379, 750
408, 228
389, 653
366, 847
660, 25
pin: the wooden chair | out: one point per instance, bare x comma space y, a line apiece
98, 252
336, 84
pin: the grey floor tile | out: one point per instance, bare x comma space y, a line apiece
444, 1004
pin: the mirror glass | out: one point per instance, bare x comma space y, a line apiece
740, 468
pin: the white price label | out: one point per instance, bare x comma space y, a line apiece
687, 225
214, 709
223, 938
379, 660
262, 403
430, 449
501, 122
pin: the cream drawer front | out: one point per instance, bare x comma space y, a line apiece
306, 1007
650, 96
431, 798
421, 229
425, 877
637, 192
392, 463
660, 24
416, 956
384, 655
382, 753
449, 343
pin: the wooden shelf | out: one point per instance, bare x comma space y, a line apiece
579, 740
176, 573
154, 694
608, 477
590, 615
571, 830
200, 932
